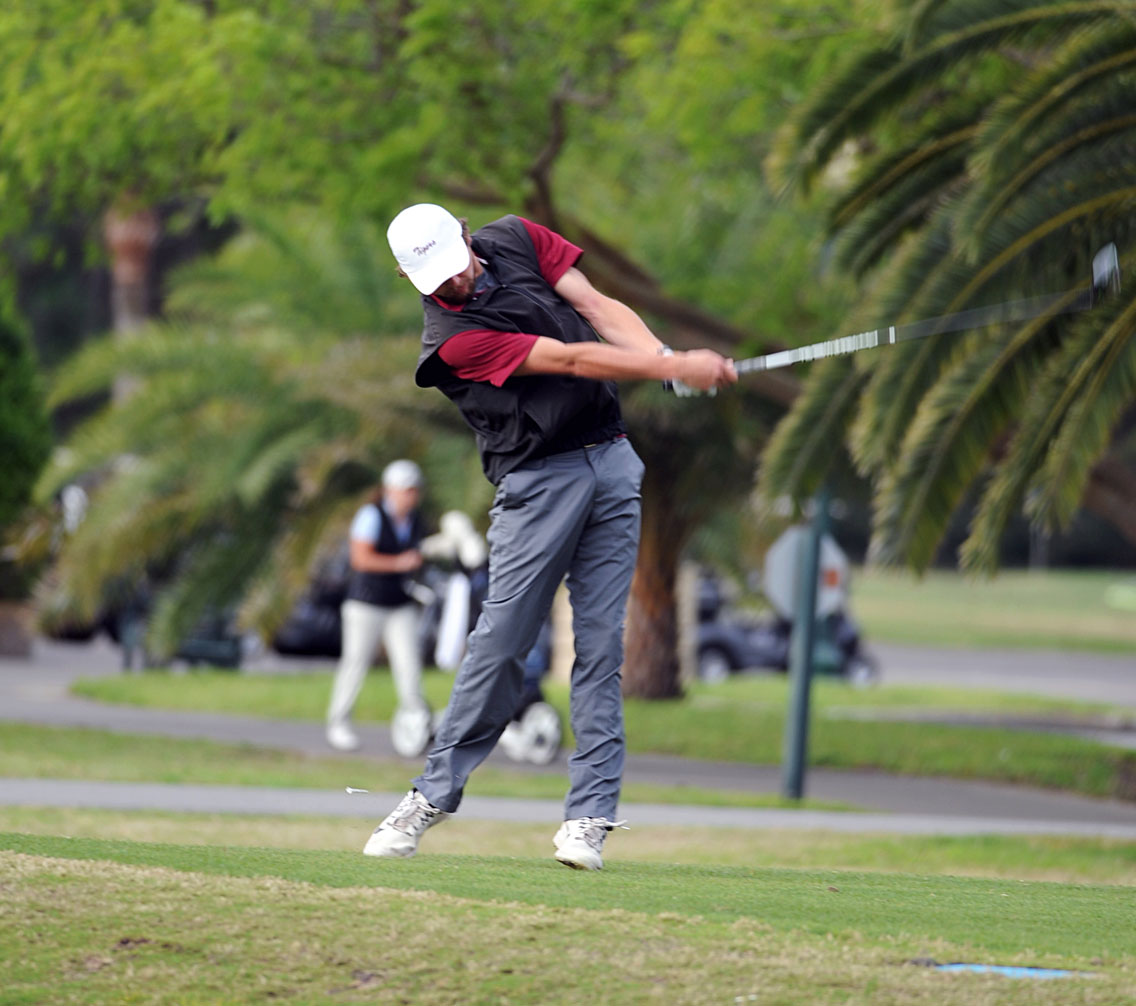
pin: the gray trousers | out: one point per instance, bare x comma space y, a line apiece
574, 514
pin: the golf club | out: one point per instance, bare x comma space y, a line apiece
1106, 276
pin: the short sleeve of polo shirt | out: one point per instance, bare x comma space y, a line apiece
481, 354
366, 525
556, 255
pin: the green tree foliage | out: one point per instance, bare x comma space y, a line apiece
347, 105
605, 120
995, 149
584, 116
25, 437
25, 442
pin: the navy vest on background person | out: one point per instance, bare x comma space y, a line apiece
528, 417
385, 590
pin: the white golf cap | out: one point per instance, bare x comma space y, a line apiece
402, 474
428, 244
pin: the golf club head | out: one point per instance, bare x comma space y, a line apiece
1106, 270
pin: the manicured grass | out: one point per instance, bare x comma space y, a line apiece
303, 696
740, 720
1055, 609
35, 752
1034, 857
95, 922
736, 732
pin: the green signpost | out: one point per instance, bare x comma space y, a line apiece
801, 653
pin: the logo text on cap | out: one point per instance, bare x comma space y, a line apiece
424, 249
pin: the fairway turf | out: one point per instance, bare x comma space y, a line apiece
1027, 609
1036, 857
97, 922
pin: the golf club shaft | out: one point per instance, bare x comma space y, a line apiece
1067, 302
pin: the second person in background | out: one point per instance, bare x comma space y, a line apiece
384, 550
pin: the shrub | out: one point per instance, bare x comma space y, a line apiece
25, 436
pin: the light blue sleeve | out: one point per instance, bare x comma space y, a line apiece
366, 525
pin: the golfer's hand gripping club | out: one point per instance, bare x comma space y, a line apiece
703, 372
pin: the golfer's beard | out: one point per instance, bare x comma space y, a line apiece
452, 293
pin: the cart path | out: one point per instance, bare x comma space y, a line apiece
36, 692
1090, 677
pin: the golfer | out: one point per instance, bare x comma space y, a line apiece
384, 548
512, 336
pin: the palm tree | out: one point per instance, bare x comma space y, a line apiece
262, 408
996, 145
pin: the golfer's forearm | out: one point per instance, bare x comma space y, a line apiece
598, 361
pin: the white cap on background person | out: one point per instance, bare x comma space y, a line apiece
427, 241
402, 474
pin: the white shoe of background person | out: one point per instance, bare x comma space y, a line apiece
341, 737
579, 842
411, 732
399, 833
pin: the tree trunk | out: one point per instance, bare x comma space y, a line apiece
651, 664
131, 235
15, 629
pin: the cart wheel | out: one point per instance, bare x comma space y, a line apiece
535, 737
543, 733
861, 673
714, 665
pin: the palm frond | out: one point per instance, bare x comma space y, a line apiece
1091, 58
256, 413
809, 436
1049, 237
1048, 178
948, 443
1087, 429
283, 449
907, 206
1066, 374
878, 80
902, 280
211, 576
881, 175
1049, 18
300, 274
1110, 131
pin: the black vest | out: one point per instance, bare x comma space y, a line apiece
385, 590
527, 417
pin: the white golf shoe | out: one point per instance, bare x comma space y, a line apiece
341, 737
399, 833
579, 842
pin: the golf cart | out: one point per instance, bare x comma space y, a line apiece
729, 643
